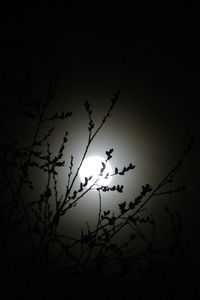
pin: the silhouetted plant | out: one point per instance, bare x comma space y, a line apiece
98, 261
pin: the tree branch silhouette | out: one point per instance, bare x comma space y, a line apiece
99, 253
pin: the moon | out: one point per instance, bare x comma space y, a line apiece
91, 167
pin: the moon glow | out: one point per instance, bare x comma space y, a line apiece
91, 167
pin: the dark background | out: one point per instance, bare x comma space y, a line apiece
148, 51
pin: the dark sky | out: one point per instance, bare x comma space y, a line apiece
149, 52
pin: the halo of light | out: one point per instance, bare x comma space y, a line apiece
91, 167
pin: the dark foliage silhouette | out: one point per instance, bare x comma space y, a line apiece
117, 256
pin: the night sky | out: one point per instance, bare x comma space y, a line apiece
150, 53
